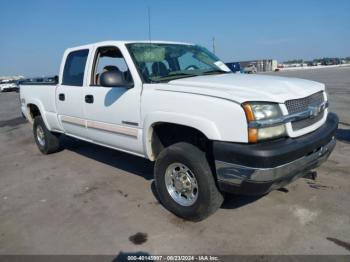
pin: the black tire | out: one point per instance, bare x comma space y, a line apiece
209, 198
51, 140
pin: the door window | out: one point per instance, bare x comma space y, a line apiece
109, 58
73, 74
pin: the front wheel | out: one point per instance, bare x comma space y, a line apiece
185, 183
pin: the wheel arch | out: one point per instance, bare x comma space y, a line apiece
192, 124
33, 109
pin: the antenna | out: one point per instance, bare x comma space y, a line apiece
149, 24
214, 45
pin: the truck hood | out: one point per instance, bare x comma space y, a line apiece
242, 87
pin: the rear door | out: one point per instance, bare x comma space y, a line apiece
70, 93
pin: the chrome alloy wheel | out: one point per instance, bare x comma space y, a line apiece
40, 135
181, 184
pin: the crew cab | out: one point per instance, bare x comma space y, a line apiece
209, 131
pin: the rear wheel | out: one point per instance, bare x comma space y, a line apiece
185, 182
46, 141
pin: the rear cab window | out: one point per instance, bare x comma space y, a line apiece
73, 73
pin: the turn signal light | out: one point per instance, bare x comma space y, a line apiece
248, 112
252, 135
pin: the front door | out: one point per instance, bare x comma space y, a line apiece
113, 113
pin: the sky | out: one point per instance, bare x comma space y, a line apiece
34, 33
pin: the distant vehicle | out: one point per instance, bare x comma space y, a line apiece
9, 86
235, 66
331, 61
208, 130
250, 69
326, 62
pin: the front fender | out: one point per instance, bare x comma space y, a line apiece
207, 127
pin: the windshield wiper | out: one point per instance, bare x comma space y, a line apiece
175, 76
184, 75
216, 71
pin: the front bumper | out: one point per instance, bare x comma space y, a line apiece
256, 169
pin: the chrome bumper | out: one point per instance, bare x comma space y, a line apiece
236, 174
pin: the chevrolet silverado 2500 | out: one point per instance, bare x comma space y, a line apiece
208, 130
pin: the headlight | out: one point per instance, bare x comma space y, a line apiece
256, 111
265, 111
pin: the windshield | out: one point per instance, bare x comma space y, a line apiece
166, 62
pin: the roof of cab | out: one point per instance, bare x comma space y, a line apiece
111, 42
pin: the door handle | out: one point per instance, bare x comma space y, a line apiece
89, 99
61, 97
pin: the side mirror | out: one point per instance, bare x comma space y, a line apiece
114, 79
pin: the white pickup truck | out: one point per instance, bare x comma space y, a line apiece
209, 131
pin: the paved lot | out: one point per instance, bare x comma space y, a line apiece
90, 200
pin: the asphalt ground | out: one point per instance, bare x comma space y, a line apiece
88, 199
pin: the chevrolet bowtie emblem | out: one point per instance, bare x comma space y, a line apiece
315, 110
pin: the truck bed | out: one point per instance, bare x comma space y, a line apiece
42, 95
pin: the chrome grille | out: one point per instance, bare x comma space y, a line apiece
301, 105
